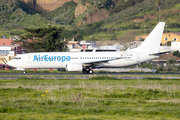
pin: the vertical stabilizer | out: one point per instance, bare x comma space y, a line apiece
152, 42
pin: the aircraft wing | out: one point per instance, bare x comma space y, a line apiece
159, 53
99, 62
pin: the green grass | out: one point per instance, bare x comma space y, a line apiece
34, 21
12, 32
176, 7
97, 98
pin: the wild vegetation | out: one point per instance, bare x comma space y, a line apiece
64, 15
32, 98
113, 6
176, 53
15, 16
121, 23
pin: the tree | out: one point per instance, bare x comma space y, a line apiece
169, 43
175, 53
47, 39
77, 37
171, 61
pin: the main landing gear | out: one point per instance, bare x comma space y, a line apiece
24, 72
87, 71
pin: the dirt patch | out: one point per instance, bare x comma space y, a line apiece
164, 101
80, 9
46, 5
96, 16
149, 17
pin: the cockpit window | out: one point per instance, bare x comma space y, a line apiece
17, 58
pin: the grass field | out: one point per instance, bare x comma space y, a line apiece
97, 98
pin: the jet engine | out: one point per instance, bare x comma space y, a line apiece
74, 67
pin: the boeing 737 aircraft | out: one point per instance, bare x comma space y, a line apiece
87, 61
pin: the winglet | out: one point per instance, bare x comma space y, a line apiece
94, 50
125, 53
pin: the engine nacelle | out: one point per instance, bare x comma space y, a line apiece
74, 67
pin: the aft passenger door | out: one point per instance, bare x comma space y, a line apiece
138, 58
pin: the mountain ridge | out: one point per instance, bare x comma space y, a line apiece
128, 21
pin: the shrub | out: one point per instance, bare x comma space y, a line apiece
7, 110
171, 61
174, 25
169, 43
149, 78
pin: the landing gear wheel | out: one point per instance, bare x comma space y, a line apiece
24, 72
90, 71
85, 71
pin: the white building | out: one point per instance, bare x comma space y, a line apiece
175, 46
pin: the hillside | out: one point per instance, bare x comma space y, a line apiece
14, 16
118, 20
127, 23
64, 15
46, 5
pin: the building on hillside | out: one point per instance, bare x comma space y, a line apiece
76, 46
6, 41
163, 60
10, 49
175, 46
73, 46
171, 36
89, 46
8, 52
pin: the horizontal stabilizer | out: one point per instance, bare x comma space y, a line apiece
159, 53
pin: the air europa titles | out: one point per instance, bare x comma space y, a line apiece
51, 58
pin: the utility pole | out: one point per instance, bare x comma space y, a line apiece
91, 41
166, 35
144, 31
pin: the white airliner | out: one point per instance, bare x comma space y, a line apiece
87, 61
